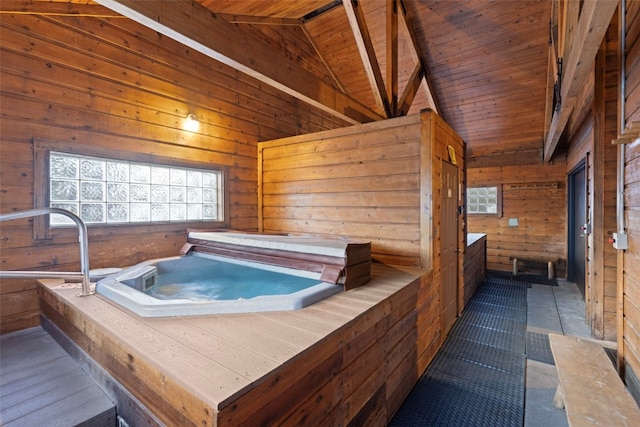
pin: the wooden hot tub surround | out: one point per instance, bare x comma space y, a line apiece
351, 358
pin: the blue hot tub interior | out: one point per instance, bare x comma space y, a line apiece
205, 278
197, 284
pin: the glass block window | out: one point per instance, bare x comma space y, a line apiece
483, 200
108, 191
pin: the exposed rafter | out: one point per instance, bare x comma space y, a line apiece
195, 26
409, 94
392, 55
420, 53
591, 28
27, 7
388, 98
260, 20
367, 54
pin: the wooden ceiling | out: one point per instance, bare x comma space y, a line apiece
486, 62
482, 65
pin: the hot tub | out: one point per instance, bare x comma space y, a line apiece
237, 273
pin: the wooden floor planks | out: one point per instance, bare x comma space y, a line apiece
40, 384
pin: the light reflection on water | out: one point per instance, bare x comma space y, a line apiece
197, 278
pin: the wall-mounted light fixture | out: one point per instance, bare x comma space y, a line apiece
191, 123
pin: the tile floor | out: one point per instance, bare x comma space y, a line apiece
559, 309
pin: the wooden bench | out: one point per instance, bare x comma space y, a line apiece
537, 265
589, 387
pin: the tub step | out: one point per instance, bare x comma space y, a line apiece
40, 384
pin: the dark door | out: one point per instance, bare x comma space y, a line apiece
449, 245
577, 243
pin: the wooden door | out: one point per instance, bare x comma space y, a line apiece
449, 245
577, 240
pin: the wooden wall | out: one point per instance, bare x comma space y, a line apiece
379, 182
106, 83
536, 196
591, 129
629, 260
361, 181
475, 264
365, 181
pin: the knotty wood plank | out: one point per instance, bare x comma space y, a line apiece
318, 406
344, 151
368, 398
375, 183
265, 339
226, 352
280, 394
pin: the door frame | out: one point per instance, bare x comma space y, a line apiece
572, 226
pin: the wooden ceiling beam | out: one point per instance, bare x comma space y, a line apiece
260, 20
355, 15
591, 28
392, 55
409, 93
200, 29
29, 7
420, 53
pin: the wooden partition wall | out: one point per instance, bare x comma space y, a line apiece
379, 181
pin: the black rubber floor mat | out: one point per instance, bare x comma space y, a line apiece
523, 277
538, 348
477, 377
460, 393
501, 291
484, 355
519, 314
510, 303
498, 323
491, 337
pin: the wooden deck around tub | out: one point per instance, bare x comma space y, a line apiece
351, 358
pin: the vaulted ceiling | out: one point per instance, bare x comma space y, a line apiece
482, 65
486, 62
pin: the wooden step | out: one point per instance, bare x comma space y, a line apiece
40, 384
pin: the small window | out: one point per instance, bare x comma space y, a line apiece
484, 200
106, 191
